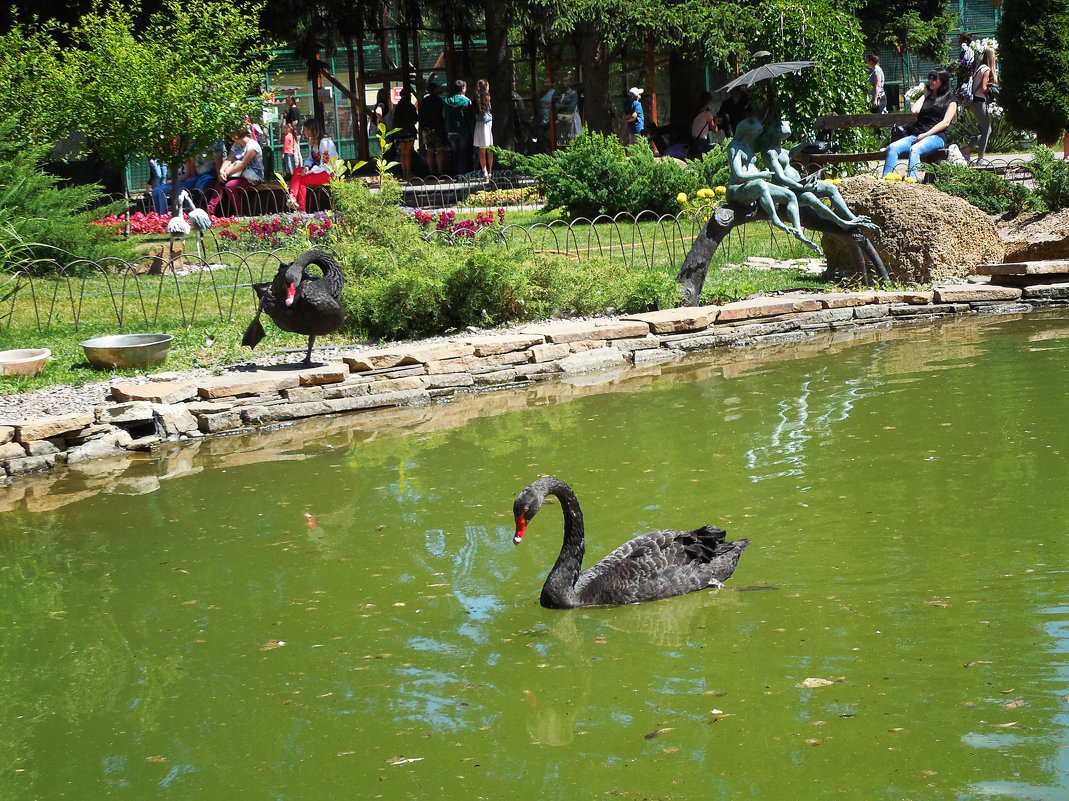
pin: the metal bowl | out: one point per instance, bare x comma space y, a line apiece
127, 350
26, 361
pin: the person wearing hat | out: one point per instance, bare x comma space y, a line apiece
636, 121
432, 126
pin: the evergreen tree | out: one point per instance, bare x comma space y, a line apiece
1033, 65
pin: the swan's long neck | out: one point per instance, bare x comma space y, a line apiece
559, 589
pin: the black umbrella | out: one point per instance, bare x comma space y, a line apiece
766, 72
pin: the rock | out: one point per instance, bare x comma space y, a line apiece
45, 427
1042, 236
974, 293
125, 413
597, 359
12, 450
110, 444
756, 308
161, 392
7, 433
41, 447
677, 321
173, 420
926, 235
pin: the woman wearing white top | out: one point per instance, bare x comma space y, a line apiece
243, 168
317, 169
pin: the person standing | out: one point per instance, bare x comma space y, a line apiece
635, 119
432, 127
982, 78
484, 135
460, 126
405, 117
293, 112
877, 94
701, 126
289, 149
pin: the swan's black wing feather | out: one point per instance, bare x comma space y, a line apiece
254, 333
661, 564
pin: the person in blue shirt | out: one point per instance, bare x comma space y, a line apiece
635, 119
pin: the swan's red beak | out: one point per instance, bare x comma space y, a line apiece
291, 290
521, 529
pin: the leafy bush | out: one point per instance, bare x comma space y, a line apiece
987, 191
1051, 176
596, 175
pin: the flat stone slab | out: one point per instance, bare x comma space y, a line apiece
254, 382
163, 392
413, 354
506, 343
920, 298
1056, 291
45, 427
1051, 267
595, 359
756, 308
974, 293
567, 331
842, 300
678, 321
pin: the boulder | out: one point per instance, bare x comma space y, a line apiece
925, 235
1041, 236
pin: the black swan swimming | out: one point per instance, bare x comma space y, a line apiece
300, 302
651, 566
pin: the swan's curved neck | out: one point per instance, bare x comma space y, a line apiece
559, 589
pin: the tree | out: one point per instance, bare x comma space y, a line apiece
812, 30
170, 90
1034, 65
31, 84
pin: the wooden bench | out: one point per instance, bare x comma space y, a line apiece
829, 123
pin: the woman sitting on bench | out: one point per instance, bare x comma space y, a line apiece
935, 111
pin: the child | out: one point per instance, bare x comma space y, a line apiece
289, 149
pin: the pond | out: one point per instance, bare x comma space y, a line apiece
350, 619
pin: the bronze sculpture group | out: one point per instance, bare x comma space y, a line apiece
773, 191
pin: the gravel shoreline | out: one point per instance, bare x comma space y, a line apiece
63, 399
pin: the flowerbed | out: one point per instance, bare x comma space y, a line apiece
446, 222
297, 229
152, 222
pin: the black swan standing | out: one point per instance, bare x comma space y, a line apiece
651, 566
300, 302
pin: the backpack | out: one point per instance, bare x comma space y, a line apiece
964, 93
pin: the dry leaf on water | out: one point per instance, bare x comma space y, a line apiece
267, 646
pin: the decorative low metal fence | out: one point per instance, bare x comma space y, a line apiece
185, 288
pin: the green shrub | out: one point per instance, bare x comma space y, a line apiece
596, 175
989, 192
41, 220
1051, 176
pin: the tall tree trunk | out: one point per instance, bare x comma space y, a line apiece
594, 56
499, 71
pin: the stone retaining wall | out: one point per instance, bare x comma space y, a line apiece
142, 417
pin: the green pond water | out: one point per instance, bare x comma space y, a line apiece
336, 610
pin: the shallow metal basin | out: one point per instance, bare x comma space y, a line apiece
24, 361
127, 350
